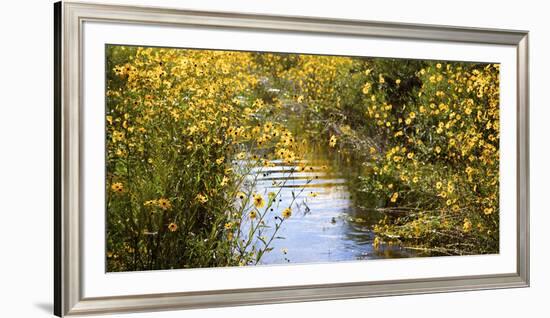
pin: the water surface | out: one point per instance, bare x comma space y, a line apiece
327, 225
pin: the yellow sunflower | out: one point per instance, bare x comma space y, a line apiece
173, 227
332, 141
258, 200
287, 213
241, 195
164, 203
117, 187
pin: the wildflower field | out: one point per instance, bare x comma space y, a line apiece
213, 157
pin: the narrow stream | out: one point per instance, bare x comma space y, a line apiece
326, 224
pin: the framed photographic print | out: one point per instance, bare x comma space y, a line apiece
210, 159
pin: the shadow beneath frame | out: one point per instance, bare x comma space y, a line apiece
45, 307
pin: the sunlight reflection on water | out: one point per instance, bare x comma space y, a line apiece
322, 226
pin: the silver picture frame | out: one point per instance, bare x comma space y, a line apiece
68, 21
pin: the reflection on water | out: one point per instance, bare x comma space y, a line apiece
326, 224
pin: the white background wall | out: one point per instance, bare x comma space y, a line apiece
26, 143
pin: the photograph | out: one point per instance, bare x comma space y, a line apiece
218, 158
